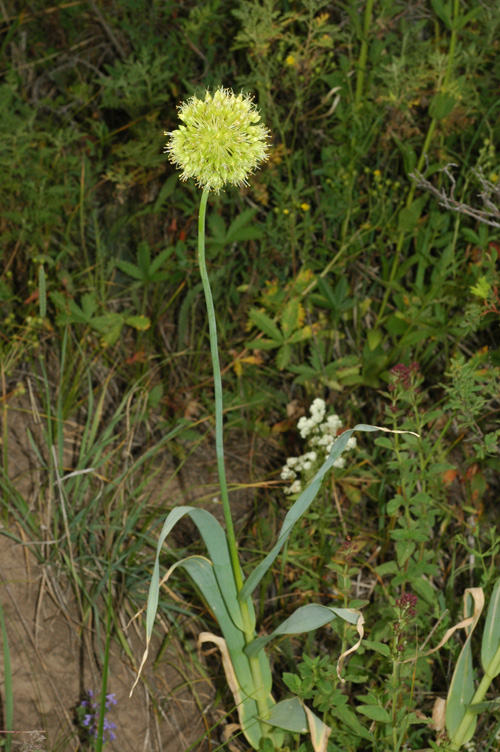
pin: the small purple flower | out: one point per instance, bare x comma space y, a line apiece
404, 376
91, 718
109, 726
407, 600
405, 614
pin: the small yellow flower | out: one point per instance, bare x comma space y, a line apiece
305, 207
286, 211
377, 174
493, 177
290, 60
221, 140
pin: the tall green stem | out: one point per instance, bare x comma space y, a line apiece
249, 632
219, 446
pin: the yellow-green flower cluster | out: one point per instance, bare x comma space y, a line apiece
221, 140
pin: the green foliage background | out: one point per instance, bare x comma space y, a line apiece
330, 269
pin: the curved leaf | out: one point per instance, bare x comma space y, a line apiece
202, 572
374, 713
216, 543
246, 706
292, 715
301, 505
304, 619
289, 715
461, 689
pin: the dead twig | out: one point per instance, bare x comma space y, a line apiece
489, 195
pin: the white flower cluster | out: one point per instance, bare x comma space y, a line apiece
321, 435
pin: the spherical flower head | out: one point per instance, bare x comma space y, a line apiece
221, 140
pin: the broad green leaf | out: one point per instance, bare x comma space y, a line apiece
374, 713
424, 590
490, 648
350, 719
461, 689
292, 715
265, 324
388, 567
299, 507
378, 647
292, 681
202, 573
216, 543
304, 619
289, 715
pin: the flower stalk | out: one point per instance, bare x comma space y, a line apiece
249, 630
219, 446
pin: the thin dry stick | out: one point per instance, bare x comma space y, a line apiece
489, 217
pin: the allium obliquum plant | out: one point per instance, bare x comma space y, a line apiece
222, 141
